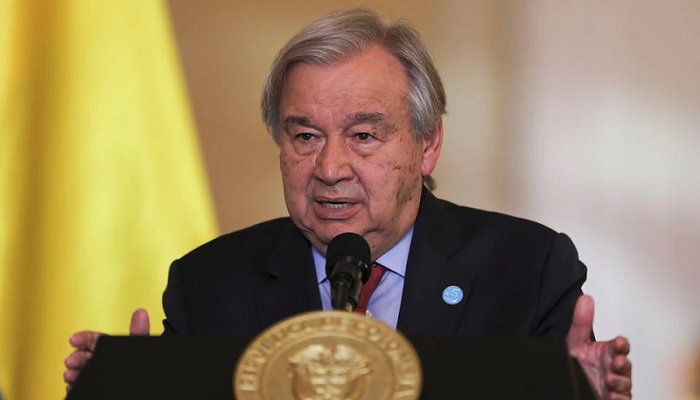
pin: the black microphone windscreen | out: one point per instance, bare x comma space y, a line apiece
348, 244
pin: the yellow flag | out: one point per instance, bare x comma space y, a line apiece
101, 180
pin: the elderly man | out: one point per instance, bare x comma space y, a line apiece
355, 105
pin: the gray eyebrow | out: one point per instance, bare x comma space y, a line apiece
297, 120
360, 117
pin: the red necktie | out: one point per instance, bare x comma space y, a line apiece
368, 288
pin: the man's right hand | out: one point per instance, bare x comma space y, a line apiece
85, 342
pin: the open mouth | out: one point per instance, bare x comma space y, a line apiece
334, 205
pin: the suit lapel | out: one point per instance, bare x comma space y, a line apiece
438, 258
290, 285
436, 261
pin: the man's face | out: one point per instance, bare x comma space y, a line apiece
348, 158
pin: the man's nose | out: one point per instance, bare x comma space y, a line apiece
334, 162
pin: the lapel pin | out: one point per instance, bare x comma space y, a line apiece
452, 295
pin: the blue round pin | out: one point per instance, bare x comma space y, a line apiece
452, 295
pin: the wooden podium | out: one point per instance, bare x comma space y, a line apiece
453, 368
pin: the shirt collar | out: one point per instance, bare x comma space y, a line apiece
394, 260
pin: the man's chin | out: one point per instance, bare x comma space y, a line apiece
321, 237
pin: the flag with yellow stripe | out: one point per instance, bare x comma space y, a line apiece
102, 182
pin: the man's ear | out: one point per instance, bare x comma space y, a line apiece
431, 150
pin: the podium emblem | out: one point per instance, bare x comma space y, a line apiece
328, 355
323, 373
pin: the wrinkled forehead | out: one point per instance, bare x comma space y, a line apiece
330, 59
362, 87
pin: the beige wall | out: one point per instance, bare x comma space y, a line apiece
605, 117
583, 115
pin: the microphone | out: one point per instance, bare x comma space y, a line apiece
347, 267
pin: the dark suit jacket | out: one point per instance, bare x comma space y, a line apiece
518, 277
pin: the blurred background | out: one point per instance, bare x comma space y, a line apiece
582, 115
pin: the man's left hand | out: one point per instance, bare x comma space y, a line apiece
606, 363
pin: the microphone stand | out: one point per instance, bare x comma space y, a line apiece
347, 277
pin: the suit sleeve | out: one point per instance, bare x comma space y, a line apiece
562, 277
174, 303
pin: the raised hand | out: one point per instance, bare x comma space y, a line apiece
84, 343
605, 363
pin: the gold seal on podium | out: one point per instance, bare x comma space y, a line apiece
326, 355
